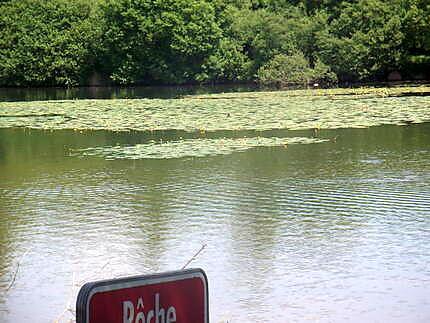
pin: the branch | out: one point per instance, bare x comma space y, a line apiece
17, 269
195, 256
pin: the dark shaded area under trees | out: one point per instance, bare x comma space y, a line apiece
273, 42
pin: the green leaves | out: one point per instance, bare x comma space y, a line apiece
285, 70
190, 147
49, 42
371, 38
161, 41
294, 69
60, 42
257, 111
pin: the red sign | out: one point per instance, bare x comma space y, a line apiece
180, 296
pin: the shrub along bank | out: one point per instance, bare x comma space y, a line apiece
273, 42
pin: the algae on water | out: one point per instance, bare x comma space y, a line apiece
257, 111
292, 110
190, 147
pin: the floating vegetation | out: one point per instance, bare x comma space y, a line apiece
190, 147
291, 110
361, 91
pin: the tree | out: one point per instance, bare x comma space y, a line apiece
63, 42
416, 43
262, 35
162, 41
364, 42
47, 42
284, 70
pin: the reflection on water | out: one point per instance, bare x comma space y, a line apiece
115, 92
328, 232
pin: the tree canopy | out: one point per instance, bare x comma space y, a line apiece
64, 42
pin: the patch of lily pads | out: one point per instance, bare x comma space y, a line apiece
259, 111
360, 92
202, 147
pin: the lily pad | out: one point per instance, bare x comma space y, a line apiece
292, 110
190, 147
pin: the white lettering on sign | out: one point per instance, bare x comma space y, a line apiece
130, 314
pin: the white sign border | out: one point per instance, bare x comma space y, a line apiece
140, 281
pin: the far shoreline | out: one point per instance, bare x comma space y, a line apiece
10, 94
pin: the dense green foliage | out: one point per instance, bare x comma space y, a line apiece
274, 42
47, 42
283, 70
164, 41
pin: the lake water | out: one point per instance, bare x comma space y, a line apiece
326, 232
115, 92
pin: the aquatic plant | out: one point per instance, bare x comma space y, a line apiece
291, 110
190, 147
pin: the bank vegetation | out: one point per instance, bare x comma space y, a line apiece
272, 42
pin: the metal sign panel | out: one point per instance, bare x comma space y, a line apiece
179, 296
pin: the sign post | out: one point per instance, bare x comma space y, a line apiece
178, 296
